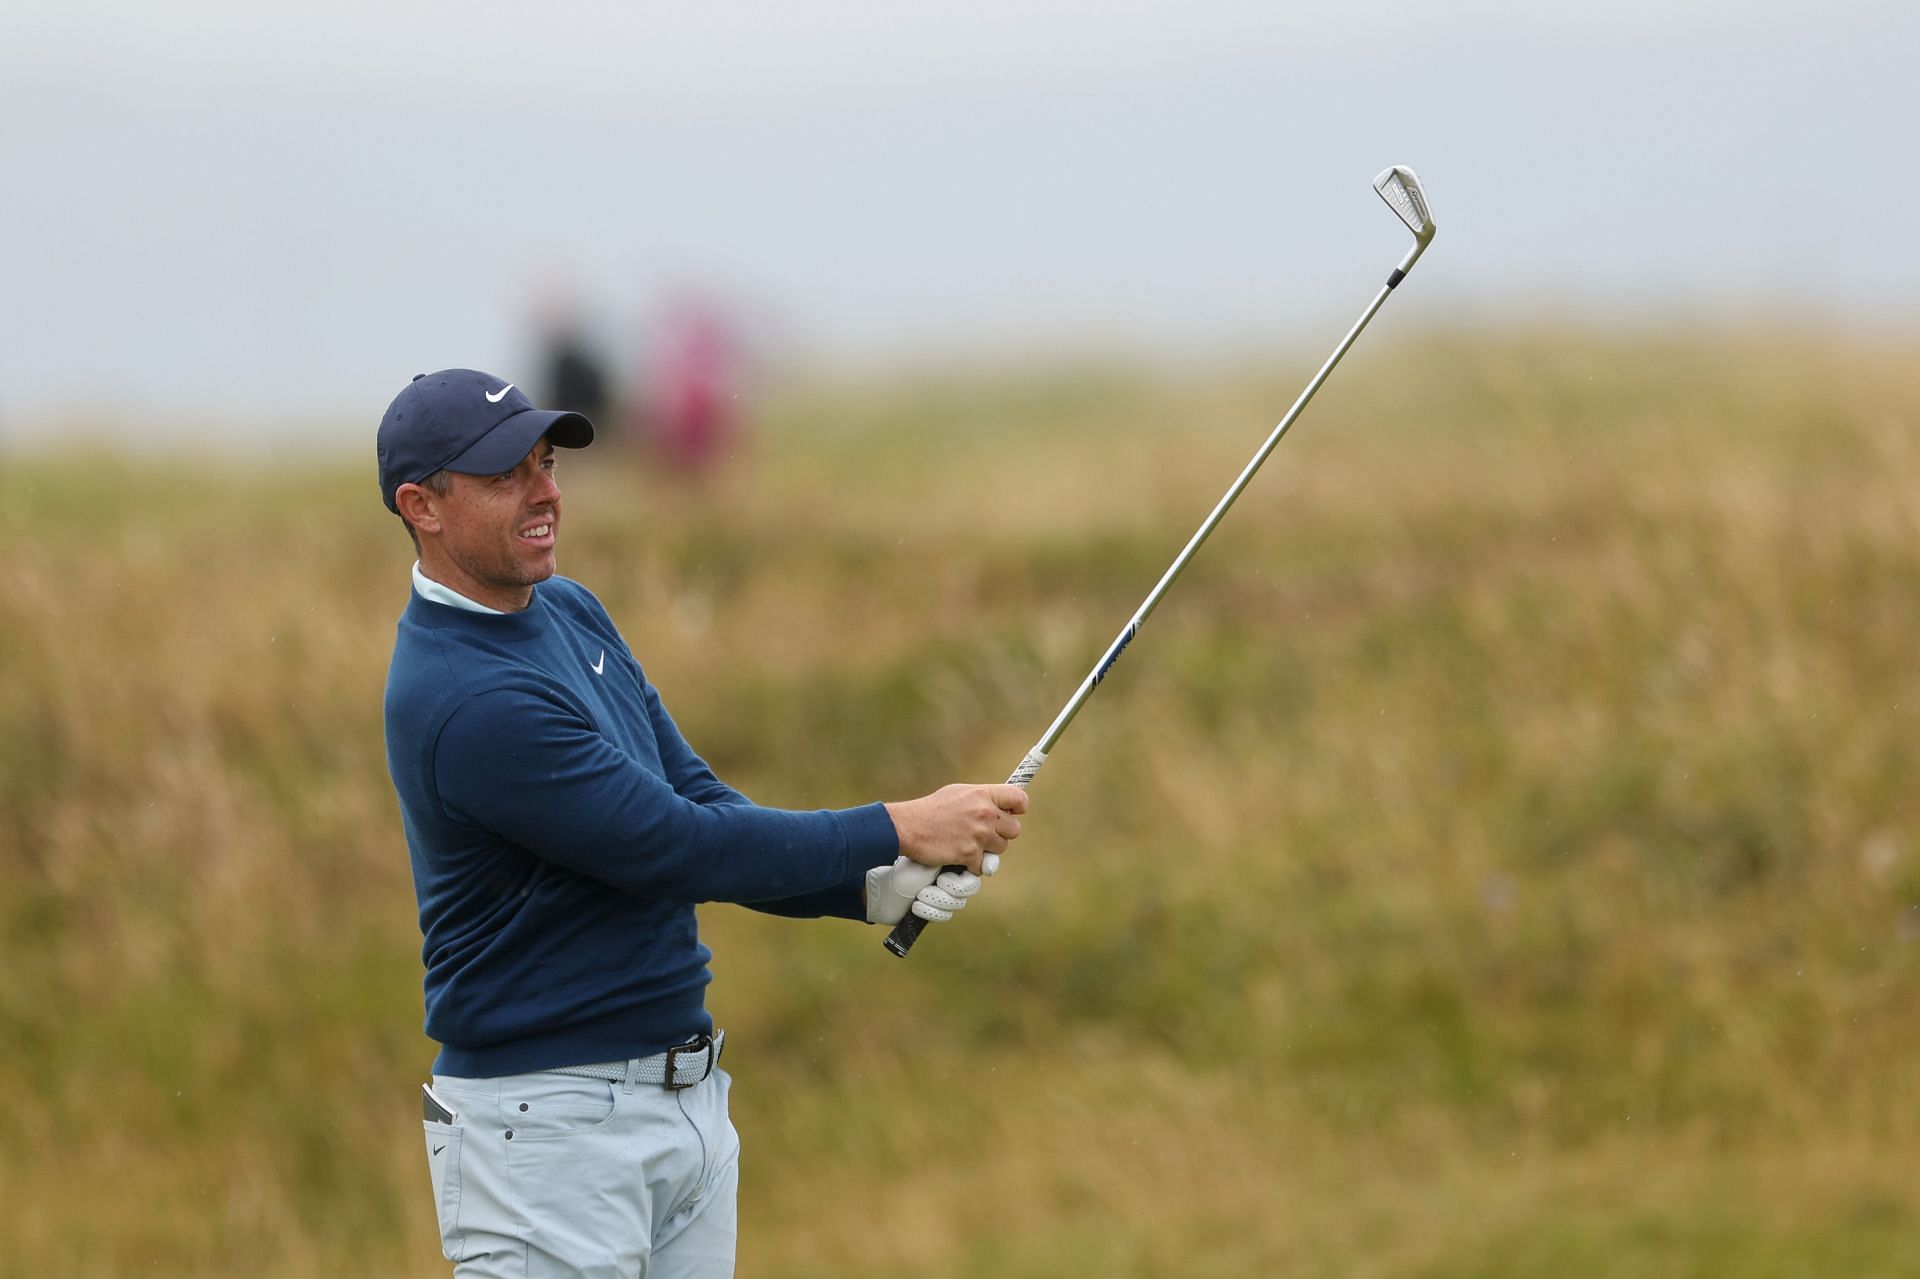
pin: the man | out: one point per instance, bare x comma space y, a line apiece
561, 830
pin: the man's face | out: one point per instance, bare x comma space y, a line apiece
496, 534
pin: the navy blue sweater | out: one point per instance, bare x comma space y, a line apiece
562, 830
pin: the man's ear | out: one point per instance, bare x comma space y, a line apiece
418, 506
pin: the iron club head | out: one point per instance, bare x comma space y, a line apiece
1401, 190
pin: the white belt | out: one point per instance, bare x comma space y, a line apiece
677, 1068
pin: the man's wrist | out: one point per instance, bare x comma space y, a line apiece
897, 814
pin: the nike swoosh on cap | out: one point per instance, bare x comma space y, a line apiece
494, 397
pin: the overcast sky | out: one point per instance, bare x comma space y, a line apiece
214, 207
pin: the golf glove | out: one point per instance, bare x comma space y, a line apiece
931, 893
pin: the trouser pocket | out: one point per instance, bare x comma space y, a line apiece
443, 1162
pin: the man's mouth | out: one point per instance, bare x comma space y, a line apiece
538, 533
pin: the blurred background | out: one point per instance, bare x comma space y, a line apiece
1496, 858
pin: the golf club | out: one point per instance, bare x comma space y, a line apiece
1401, 190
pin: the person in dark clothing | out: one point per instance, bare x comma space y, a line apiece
561, 830
575, 379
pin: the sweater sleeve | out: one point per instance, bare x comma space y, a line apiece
692, 777
688, 774
530, 770
842, 901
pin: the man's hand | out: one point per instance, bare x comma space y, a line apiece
958, 825
931, 893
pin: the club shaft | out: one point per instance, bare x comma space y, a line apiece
1132, 628
901, 939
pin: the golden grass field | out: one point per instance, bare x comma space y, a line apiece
1498, 856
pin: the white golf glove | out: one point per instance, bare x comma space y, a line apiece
931, 893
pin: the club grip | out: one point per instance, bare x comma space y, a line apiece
908, 930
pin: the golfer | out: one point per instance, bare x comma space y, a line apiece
561, 831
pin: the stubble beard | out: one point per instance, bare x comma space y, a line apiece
505, 571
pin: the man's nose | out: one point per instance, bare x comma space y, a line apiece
545, 489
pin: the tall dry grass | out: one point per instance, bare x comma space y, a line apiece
1495, 858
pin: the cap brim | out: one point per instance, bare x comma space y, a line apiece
502, 448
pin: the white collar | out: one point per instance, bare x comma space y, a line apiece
428, 589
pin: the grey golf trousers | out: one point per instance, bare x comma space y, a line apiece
548, 1174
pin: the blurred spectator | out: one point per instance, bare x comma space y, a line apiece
575, 378
693, 414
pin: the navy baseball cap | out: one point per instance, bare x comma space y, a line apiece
468, 421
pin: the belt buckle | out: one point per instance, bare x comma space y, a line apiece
700, 1043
